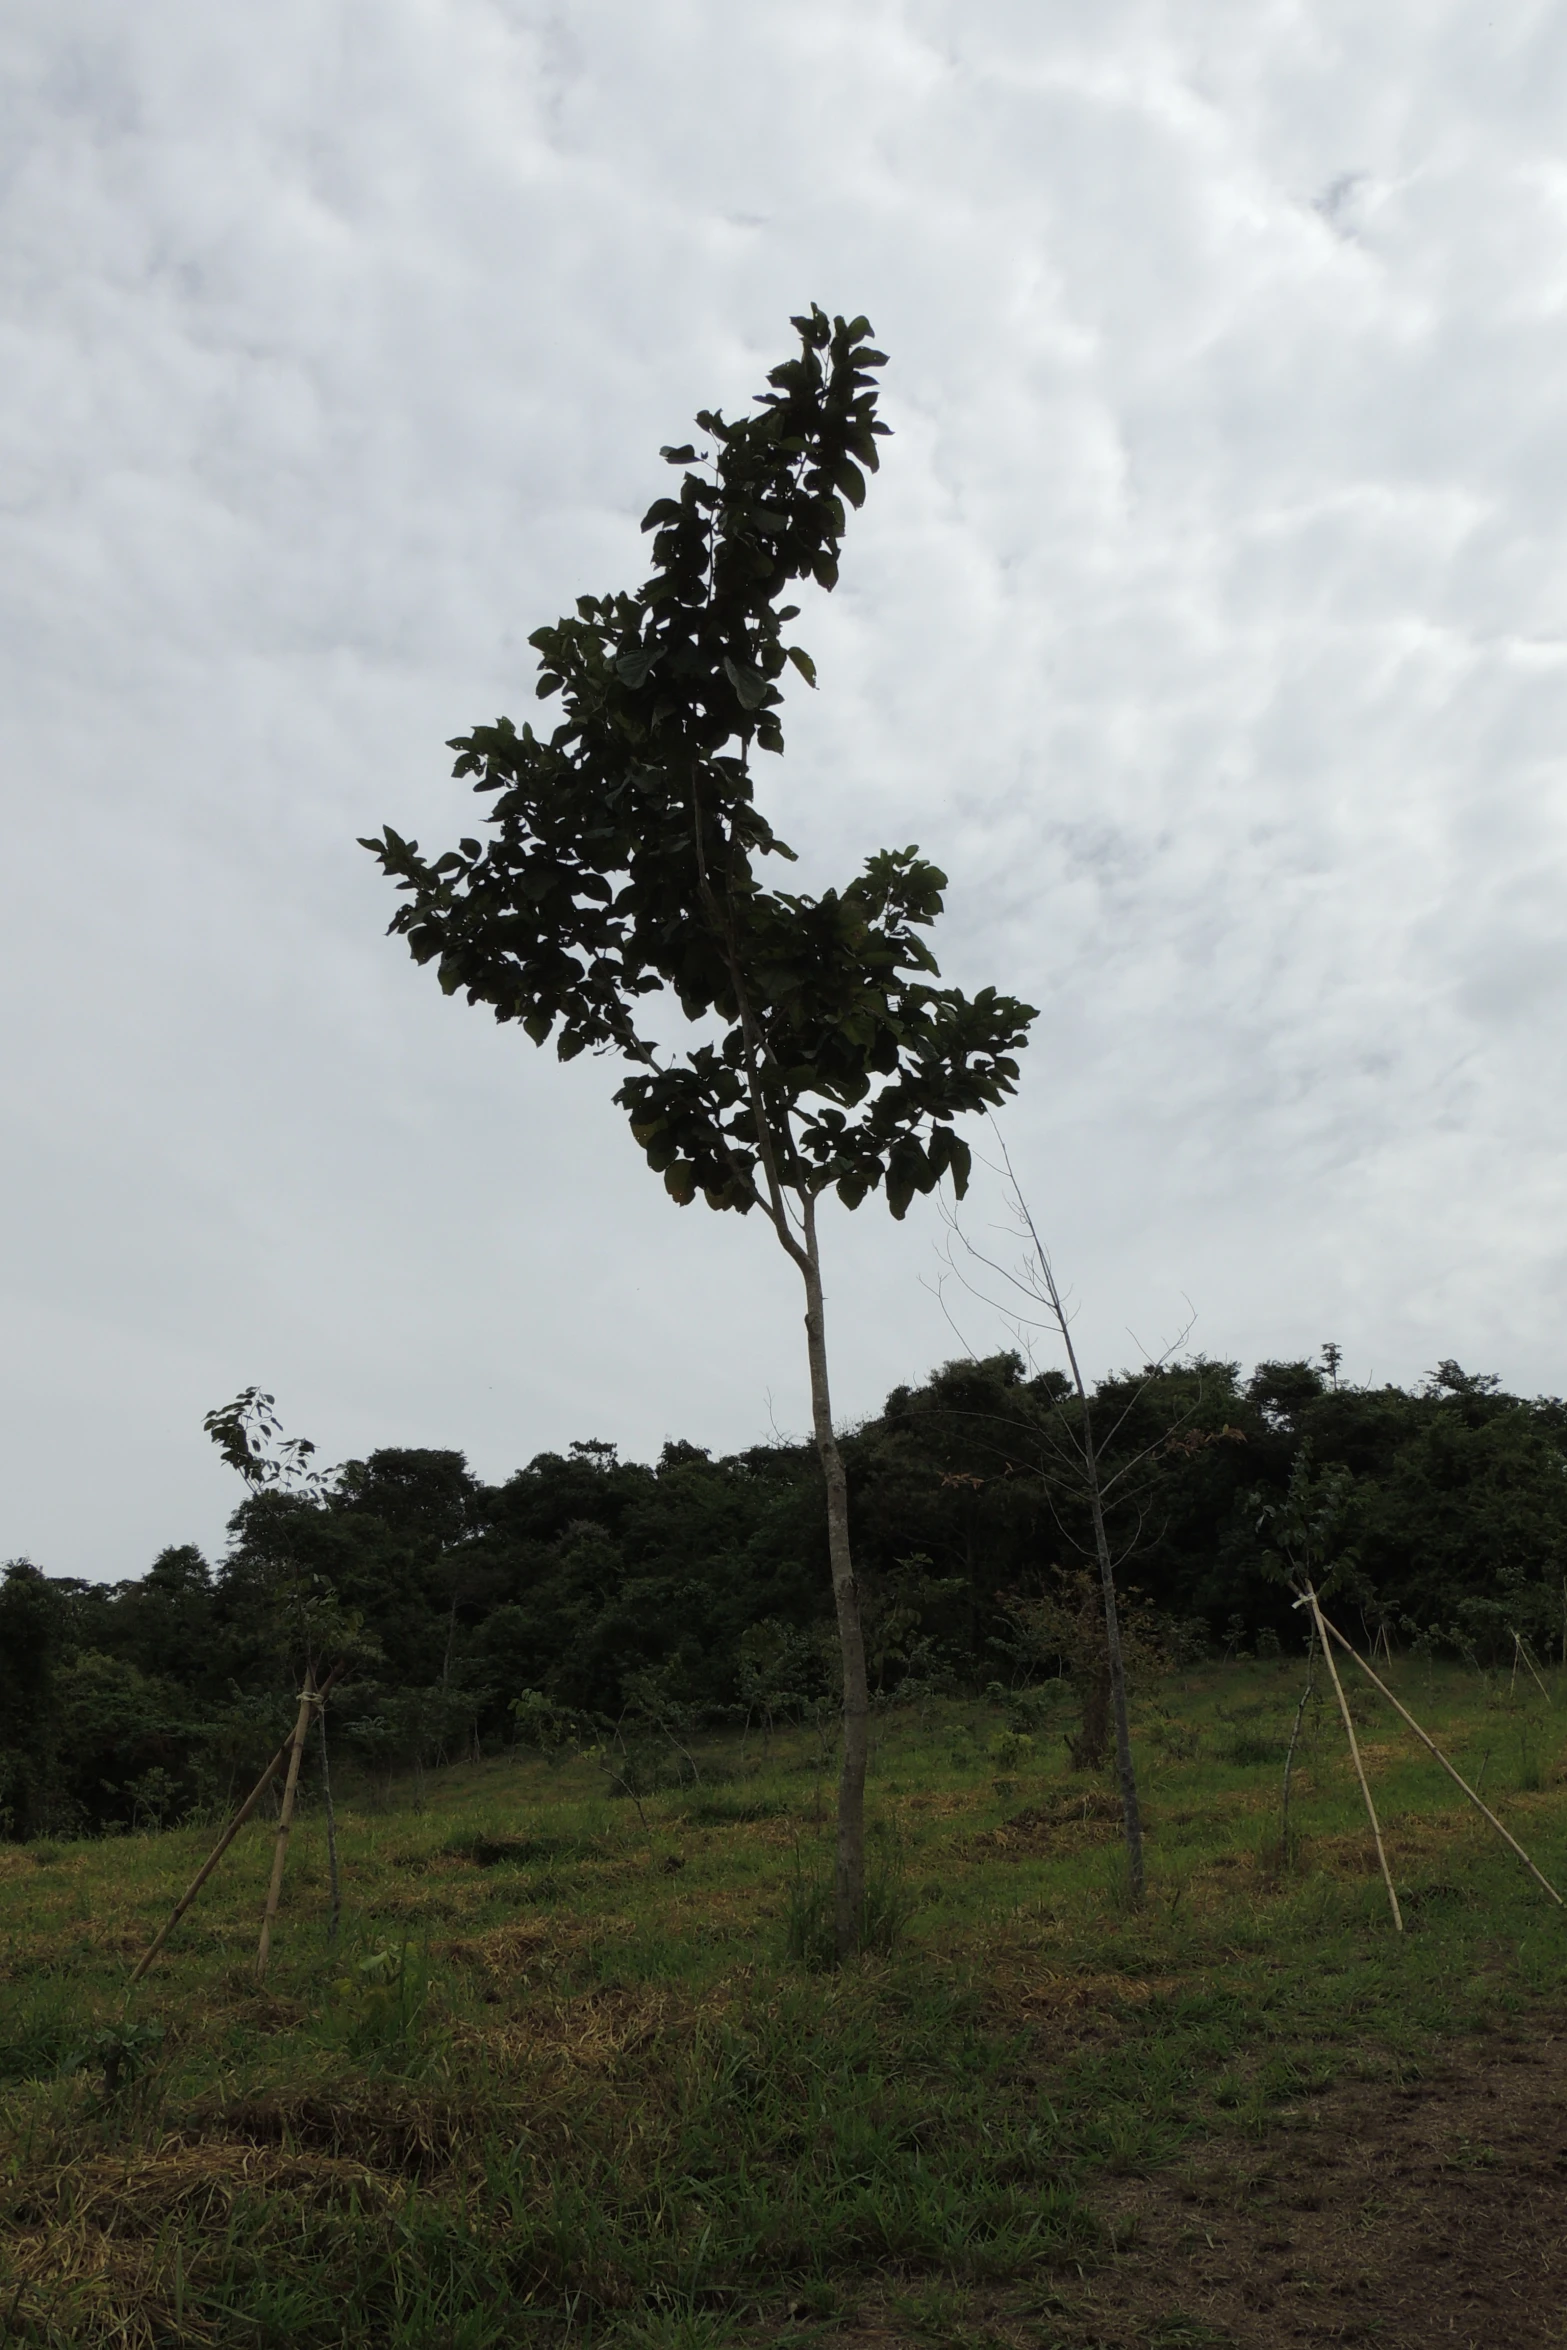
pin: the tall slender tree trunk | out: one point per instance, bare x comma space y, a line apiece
849, 1868
849, 1873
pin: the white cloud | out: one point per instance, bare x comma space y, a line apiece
1209, 623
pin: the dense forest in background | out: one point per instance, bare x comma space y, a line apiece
695, 1591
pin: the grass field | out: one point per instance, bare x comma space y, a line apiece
571, 2070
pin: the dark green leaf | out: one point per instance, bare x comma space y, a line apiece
848, 478
751, 687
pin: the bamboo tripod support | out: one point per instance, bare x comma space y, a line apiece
1354, 1749
1520, 1652
1426, 1740
296, 1746
224, 1841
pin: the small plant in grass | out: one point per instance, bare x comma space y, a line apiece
1531, 1765
1249, 1748
1177, 2331
1012, 1750
1176, 1740
380, 2008
119, 2053
1027, 1711
962, 1745
679, 2324
1234, 1643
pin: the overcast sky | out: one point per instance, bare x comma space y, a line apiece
1207, 623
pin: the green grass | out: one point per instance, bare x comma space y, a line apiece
566, 2075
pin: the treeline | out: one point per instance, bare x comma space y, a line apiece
695, 1590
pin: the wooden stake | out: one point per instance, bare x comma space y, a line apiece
211, 1861
296, 1747
1519, 1650
1446, 1765
1354, 1749
222, 1845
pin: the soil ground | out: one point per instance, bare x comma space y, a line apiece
1430, 2211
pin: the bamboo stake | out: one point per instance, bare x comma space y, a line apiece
1446, 1765
1519, 1650
212, 1860
222, 1844
1354, 1749
296, 1747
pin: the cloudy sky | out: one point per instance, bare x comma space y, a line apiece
1208, 623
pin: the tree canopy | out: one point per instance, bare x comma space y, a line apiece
622, 856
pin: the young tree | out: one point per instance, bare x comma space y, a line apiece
249, 1435
621, 865
1032, 1300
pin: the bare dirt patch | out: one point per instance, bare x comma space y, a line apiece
1395, 2214
1429, 2210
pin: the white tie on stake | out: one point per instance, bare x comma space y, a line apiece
1310, 1599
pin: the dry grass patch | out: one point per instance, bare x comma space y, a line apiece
593, 2032
1067, 1822
134, 2193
